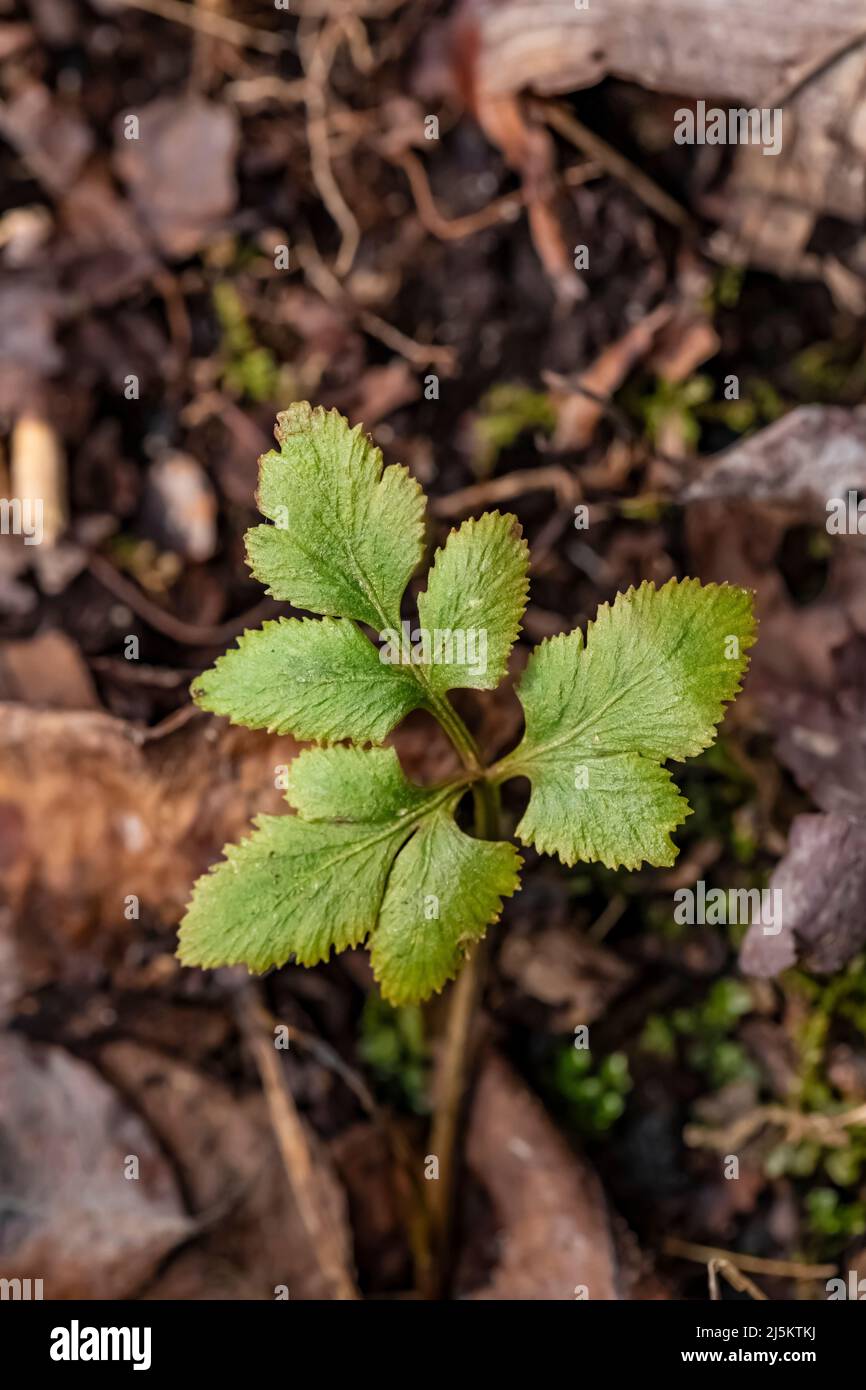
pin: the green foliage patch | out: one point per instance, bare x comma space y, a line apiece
369, 856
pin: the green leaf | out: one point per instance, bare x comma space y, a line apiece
650, 684
444, 890
316, 679
476, 593
341, 870
347, 534
299, 887
294, 888
353, 784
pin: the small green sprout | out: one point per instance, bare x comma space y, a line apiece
595, 1096
369, 855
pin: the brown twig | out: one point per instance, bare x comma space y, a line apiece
720, 1264
329, 287
187, 634
755, 1264
325, 1238
317, 57
209, 22
829, 1130
640, 183
266, 87
814, 68
503, 209
510, 485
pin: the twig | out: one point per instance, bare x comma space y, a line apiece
814, 68
608, 918
828, 1130
742, 1283
326, 1243
209, 22
187, 634
456, 1068
755, 1264
522, 480
503, 209
317, 60
266, 88
329, 287
415, 1211
591, 144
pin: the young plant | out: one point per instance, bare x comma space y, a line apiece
369, 855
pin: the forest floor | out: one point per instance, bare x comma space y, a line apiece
318, 208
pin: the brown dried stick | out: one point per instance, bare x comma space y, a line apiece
323, 1234
591, 144
209, 22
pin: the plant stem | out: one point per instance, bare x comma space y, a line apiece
457, 731
456, 1066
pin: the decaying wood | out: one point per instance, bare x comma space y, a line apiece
702, 48
807, 60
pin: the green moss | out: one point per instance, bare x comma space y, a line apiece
593, 1096
505, 413
249, 370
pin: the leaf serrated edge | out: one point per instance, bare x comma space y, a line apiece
469, 526
413, 998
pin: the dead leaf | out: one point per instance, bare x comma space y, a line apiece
51, 138
822, 735
554, 1228
46, 670
72, 1217
738, 542
103, 246
149, 816
180, 169
813, 454
822, 882
30, 311
222, 1144
803, 59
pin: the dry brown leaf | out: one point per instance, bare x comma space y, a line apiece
72, 1216
807, 60
554, 1228
180, 169
94, 811
812, 455
222, 1144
